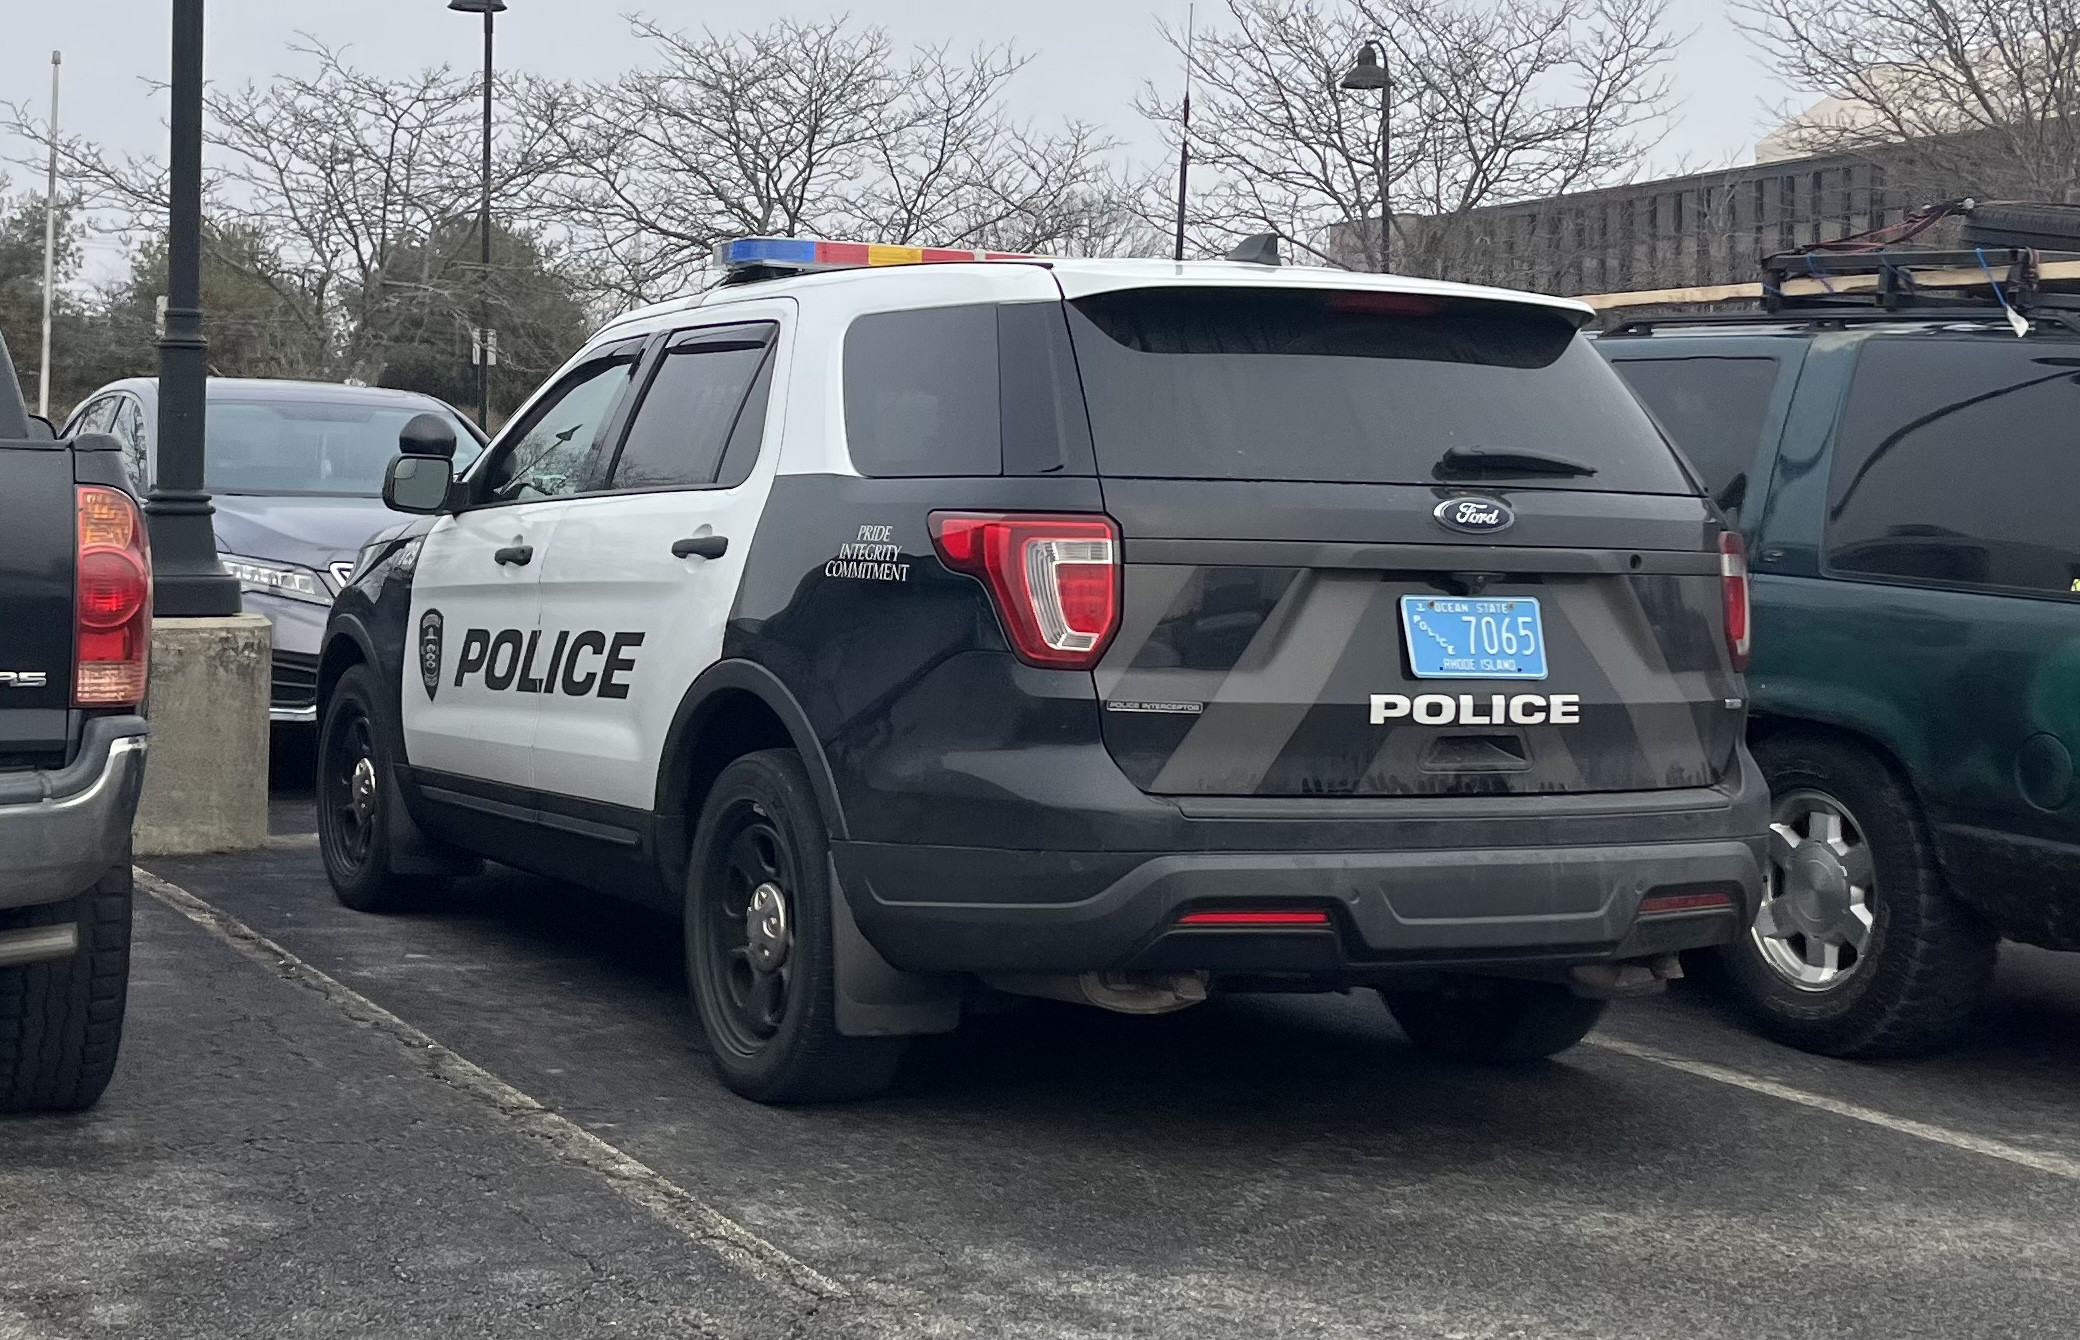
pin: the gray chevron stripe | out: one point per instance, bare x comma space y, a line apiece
1276, 683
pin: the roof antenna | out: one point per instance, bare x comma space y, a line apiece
1184, 139
1256, 249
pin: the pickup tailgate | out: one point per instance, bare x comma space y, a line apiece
36, 595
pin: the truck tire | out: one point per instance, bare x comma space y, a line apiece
354, 785
759, 942
1852, 866
1494, 1021
61, 1022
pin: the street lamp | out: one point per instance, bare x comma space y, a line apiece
1369, 73
486, 342
188, 579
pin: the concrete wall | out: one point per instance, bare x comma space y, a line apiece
205, 784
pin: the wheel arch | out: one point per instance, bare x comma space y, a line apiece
345, 645
735, 708
1766, 728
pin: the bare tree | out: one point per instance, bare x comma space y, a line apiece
352, 197
804, 129
1952, 96
1490, 101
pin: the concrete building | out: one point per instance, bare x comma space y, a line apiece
1705, 228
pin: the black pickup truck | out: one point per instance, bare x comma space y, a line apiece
75, 633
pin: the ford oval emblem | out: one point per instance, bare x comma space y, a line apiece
1475, 516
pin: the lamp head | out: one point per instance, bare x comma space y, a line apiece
1368, 73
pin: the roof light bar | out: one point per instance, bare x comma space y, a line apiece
806, 255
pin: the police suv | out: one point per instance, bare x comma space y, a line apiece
918, 623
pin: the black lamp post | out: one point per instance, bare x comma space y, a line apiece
1369, 73
487, 338
188, 579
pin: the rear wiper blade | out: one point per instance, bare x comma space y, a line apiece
1479, 464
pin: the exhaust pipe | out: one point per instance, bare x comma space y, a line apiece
38, 944
1120, 992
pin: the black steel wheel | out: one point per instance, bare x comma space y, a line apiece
758, 942
348, 790
750, 938
354, 781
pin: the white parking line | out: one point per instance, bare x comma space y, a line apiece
571, 1143
2056, 1165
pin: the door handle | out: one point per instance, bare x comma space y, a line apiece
701, 546
515, 555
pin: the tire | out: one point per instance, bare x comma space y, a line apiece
61, 1023
1924, 961
1494, 1021
763, 985
355, 777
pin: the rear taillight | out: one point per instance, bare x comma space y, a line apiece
1733, 579
113, 599
1055, 579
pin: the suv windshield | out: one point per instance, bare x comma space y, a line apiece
311, 446
1358, 387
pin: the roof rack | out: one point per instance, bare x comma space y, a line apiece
1877, 284
1837, 318
1891, 279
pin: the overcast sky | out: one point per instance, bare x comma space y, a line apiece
1090, 56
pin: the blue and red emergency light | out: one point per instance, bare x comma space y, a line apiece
806, 254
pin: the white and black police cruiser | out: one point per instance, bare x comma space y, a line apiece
1115, 631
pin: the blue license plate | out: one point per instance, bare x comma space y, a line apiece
1471, 638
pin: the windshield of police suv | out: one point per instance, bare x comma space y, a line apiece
1358, 387
335, 448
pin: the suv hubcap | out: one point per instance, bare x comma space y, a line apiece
1814, 928
766, 932
362, 790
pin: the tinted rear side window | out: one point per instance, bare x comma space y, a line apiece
921, 393
1209, 383
1714, 408
1958, 462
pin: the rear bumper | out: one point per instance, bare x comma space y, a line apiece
61, 830
1541, 900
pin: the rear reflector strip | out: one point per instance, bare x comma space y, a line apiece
1686, 902
1239, 917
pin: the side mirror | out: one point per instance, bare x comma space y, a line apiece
42, 429
419, 484
428, 435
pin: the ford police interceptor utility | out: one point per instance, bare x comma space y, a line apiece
1112, 631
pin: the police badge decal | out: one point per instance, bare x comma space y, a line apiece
430, 651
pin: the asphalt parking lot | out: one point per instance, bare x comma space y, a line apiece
492, 1118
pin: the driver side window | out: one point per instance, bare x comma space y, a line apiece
551, 455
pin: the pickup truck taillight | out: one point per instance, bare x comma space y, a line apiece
1055, 579
113, 600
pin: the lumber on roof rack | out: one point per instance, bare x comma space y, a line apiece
1808, 281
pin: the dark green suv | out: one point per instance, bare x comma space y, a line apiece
1909, 486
